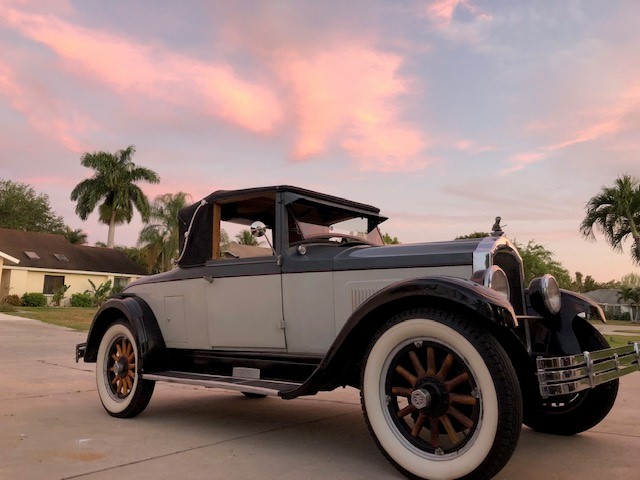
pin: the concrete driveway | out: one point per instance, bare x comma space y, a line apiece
53, 426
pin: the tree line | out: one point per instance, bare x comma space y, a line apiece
113, 190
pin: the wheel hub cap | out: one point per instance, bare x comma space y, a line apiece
432, 397
119, 368
420, 398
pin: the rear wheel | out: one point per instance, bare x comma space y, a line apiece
441, 397
122, 391
578, 412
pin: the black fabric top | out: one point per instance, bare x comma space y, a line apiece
200, 241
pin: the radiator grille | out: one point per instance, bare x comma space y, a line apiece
507, 261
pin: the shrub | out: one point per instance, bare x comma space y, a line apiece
58, 295
616, 313
13, 300
81, 300
34, 299
99, 294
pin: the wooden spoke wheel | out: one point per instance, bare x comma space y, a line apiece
441, 397
433, 397
122, 390
121, 367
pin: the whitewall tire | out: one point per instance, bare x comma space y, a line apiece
441, 397
122, 391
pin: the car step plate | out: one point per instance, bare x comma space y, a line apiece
249, 385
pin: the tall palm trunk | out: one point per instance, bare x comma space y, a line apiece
635, 234
112, 230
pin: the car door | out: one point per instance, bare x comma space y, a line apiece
244, 304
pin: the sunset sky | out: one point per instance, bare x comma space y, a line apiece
444, 113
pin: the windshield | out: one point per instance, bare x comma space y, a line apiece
331, 224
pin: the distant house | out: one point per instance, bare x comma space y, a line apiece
236, 250
607, 298
43, 262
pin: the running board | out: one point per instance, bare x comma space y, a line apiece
249, 385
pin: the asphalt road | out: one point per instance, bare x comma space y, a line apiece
52, 426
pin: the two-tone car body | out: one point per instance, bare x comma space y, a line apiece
450, 349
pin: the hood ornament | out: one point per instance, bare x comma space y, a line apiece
496, 230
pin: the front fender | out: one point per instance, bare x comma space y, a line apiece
152, 349
486, 302
563, 340
352, 341
574, 303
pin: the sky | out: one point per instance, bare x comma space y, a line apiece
442, 113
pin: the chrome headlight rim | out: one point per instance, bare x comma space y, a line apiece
545, 289
494, 278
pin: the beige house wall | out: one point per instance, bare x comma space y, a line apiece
16, 281
25, 281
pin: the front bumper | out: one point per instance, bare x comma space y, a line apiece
81, 348
574, 373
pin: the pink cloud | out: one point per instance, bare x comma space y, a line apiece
441, 14
521, 160
349, 96
346, 95
151, 70
472, 146
441, 11
586, 126
50, 117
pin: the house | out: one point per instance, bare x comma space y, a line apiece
607, 298
43, 262
236, 250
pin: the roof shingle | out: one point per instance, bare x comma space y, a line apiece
54, 249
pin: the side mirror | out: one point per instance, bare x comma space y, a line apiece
258, 229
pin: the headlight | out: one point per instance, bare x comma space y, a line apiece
544, 294
494, 278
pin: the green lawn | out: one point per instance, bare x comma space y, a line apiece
616, 322
72, 317
621, 340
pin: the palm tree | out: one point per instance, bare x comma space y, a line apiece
160, 235
76, 237
615, 212
113, 184
632, 297
245, 237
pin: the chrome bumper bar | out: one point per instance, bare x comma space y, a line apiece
81, 348
573, 373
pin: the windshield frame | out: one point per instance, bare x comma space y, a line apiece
319, 227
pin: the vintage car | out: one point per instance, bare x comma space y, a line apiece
450, 350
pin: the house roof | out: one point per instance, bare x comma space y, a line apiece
56, 253
244, 251
605, 295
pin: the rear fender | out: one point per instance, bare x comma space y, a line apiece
153, 351
350, 345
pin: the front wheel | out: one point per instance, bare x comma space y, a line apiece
575, 413
441, 397
122, 391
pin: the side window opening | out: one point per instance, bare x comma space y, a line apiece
232, 228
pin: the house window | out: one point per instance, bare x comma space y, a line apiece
52, 283
119, 283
